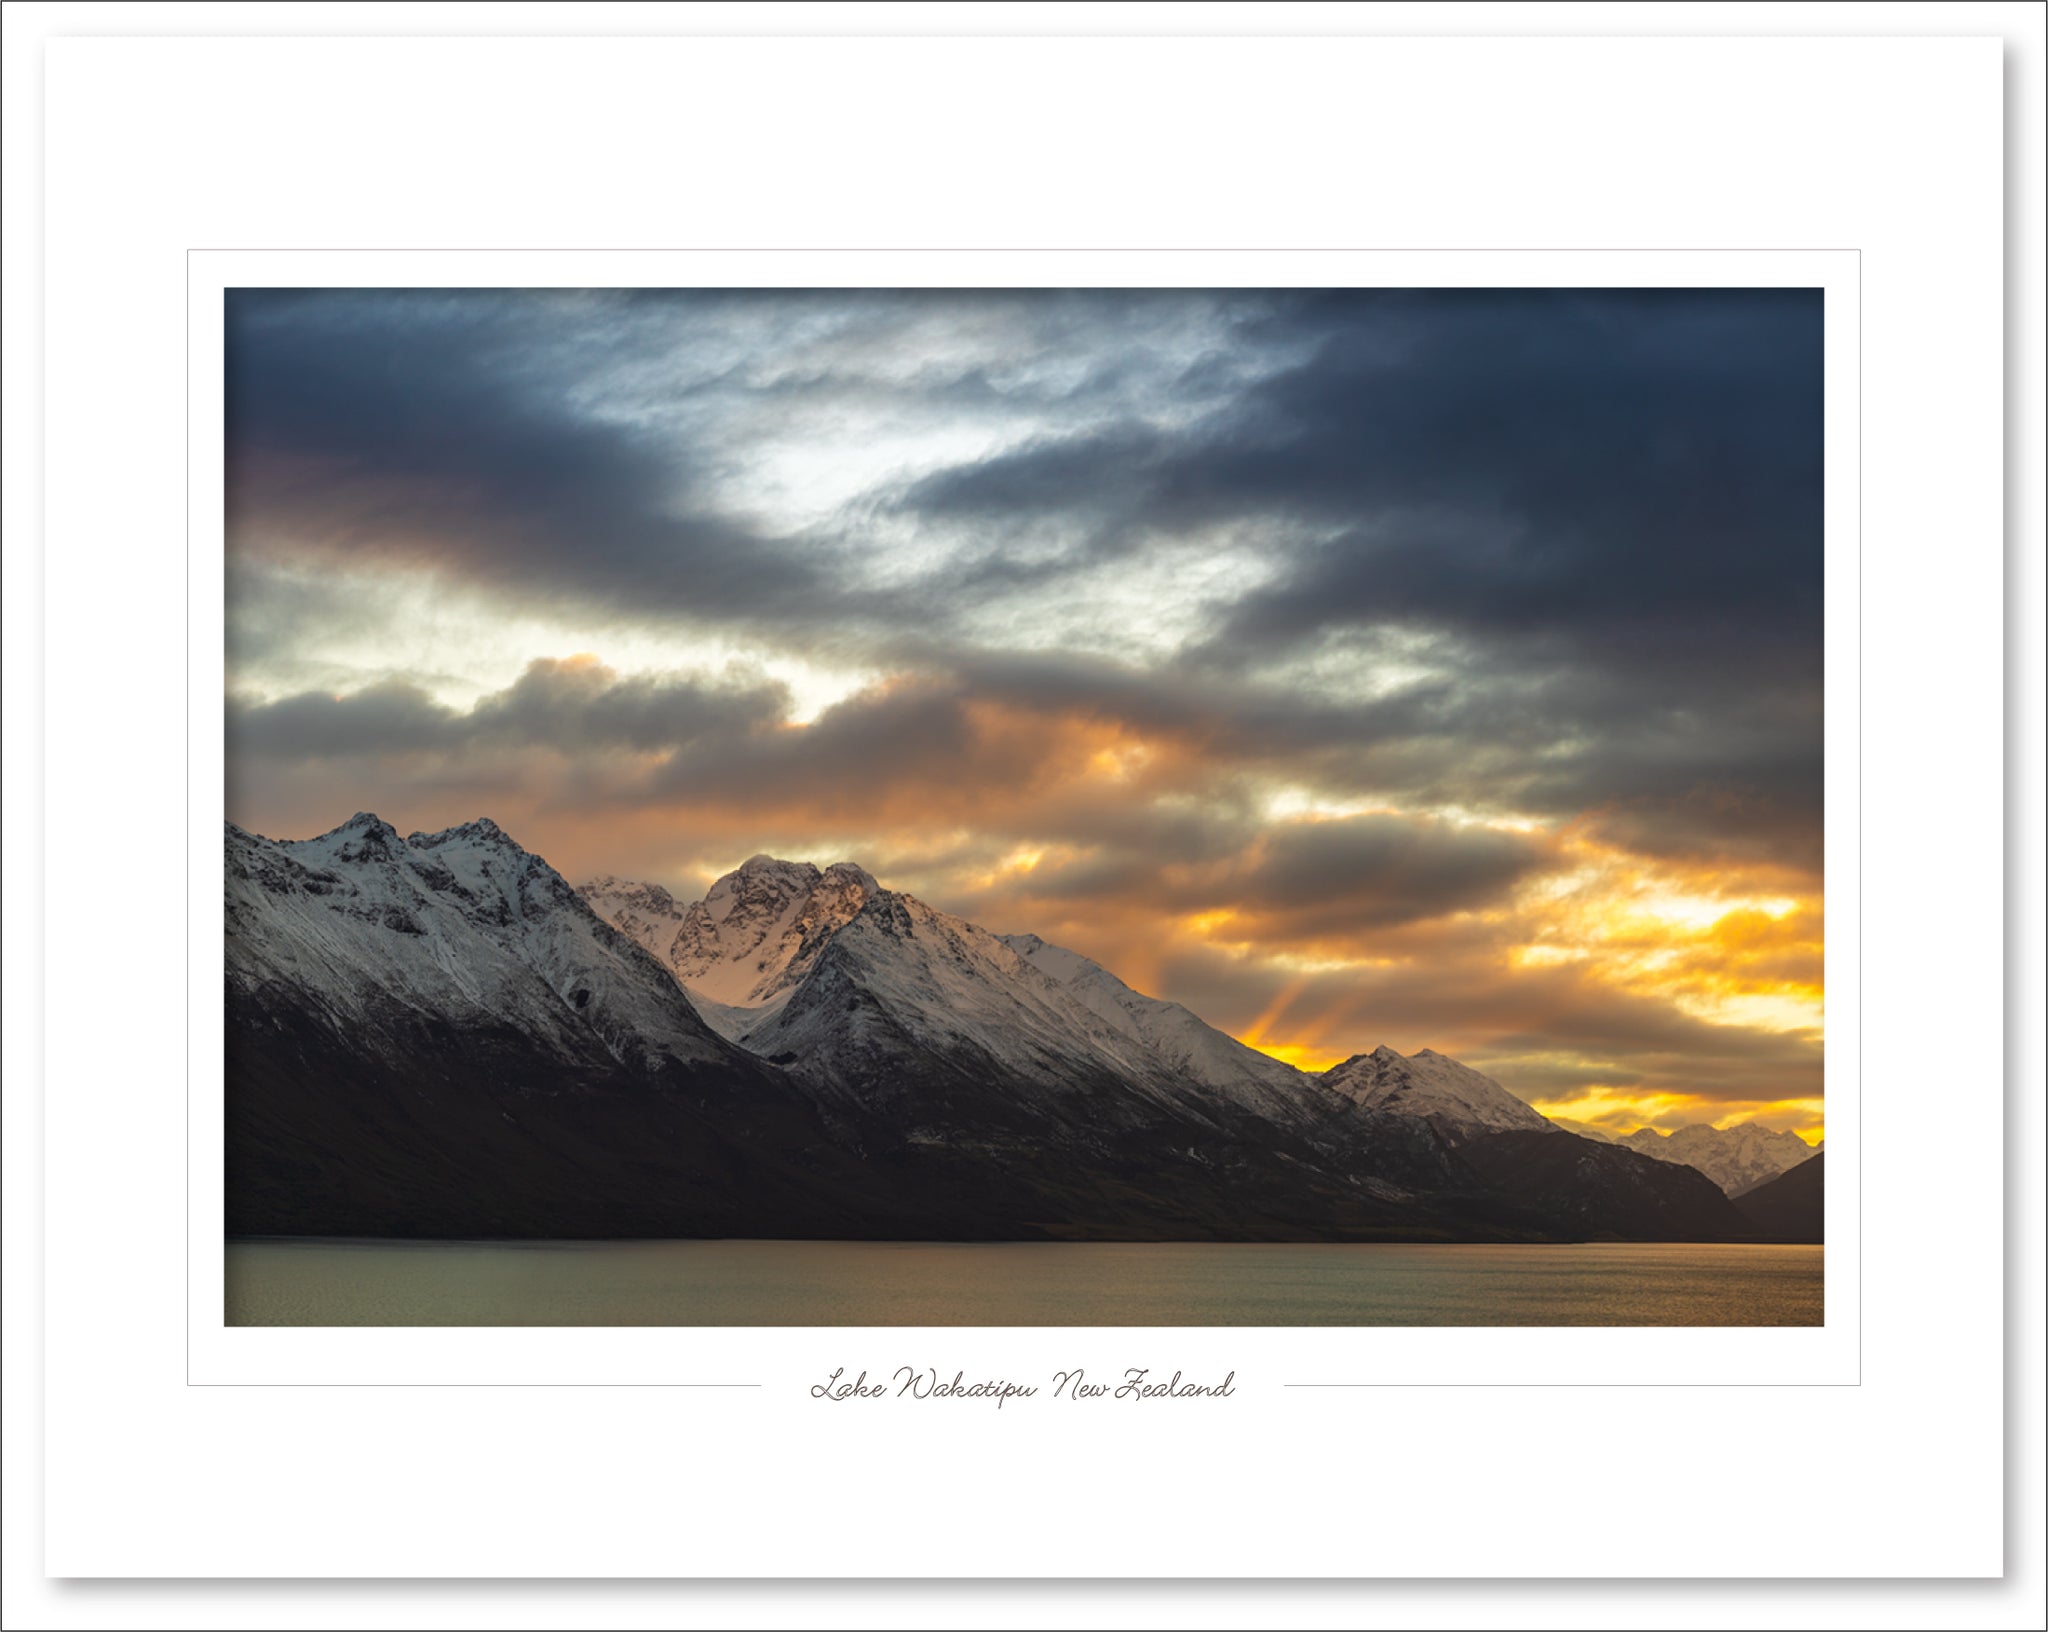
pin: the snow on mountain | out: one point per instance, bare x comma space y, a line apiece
761, 928
742, 949
1585, 1130
1738, 1158
1458, 1099
1186, 1044
901, 976
882, 1002
747, 949
645, 912
462, 926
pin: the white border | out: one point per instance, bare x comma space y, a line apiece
157, 145
1265, 1359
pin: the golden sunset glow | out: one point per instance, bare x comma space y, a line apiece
1303, 1059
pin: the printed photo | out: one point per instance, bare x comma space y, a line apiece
1024, 807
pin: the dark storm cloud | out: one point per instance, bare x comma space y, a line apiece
435, 429
1593, 452
588, 446
1375, 870
1731, 763
1610, 502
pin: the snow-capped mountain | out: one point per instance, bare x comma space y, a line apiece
761, 928
900, 970
1463, 1102
463, 925
1030, 1009
435, 1035
743, 948
902, 988
1737, 1158
1184, 1044
987, 1066
646, 913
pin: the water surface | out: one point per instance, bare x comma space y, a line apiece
868, 1283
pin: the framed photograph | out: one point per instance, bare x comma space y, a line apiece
1022, 810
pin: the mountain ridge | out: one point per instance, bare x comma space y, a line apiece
1793, 1206
1738, 1158
1465, 1103
437, 1035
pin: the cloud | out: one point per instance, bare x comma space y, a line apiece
574, 706
417, 429
1604, 510
1370, 871
391, 718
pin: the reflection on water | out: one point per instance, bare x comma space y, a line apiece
865, 1283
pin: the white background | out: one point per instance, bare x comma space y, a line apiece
158, 146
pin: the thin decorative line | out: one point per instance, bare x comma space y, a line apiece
1024, 249
1589, 1385
188, 820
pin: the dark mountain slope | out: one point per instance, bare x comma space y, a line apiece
1586, 1190
1792, 1207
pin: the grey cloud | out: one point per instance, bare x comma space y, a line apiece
573, 708
1369, 871
1599, 509
391, 718
416, 428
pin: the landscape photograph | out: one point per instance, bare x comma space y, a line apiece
1016, 807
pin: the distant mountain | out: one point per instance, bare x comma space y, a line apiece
1737, 1158
1585, 1130
1462, 1102
1792, 1207
436, 1036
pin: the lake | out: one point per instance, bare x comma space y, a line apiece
868, 1283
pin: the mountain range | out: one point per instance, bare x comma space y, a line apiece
436, 1035
1737, 1158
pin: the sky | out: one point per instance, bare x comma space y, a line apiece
1431, 668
